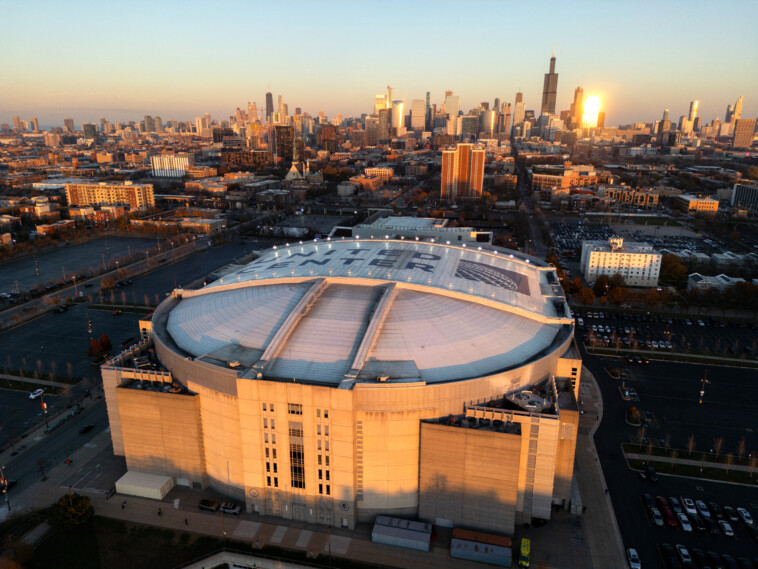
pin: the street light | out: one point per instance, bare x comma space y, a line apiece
4, 487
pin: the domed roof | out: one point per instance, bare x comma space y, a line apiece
344, 311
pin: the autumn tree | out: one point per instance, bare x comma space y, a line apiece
652, 298
105, 342
586, 296
617, 295
600, 288
691, 444
673, 272
616, 281
717, 445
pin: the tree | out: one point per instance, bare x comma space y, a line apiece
576, 283
617, 295
616, 281
717, 445
105, 342
741, 447
673, 271
600, 288
729, 461
586, 296
95, 348
71, 511
652, 298
691, 444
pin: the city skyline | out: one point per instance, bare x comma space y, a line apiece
637, 69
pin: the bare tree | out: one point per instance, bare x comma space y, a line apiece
729, 461
717, 445
674, 454
691, 444
69, 369
741, 448
667, 441
753, 463
641, 435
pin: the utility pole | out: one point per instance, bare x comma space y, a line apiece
4, 487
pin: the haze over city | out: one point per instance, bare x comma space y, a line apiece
179, 60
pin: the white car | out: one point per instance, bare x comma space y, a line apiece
726, 528
684, 522
36, 393
655, 513
745, 515
634, 559
684, 555
689, 506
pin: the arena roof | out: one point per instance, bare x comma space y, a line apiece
342, 311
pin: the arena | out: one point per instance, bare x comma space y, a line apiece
332, 381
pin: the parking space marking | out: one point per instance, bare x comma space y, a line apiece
246, 530
278, 534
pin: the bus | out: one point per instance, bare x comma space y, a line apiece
525, 554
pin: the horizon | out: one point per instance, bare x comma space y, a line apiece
629, 58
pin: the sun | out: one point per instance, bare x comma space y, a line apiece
592, 105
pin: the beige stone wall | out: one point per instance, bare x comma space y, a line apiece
112, 379
564, 456
162, 433
468, 477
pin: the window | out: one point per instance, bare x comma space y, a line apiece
327, 475
268, 481
273, 439
320, 488
268, 467
318, 444
265, 438
271, 407
294, 409
264, 406
326, 446
320, 474
326, 430
267, 452
318, 430
326, 413
272, 424
297, 465
273, 453
265, 423
296, 429
318, 413
319, 460
326, 458
328, 490
276, 482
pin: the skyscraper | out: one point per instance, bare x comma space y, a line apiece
269, 106
68, 124
577, 108
452, 106
418, 114
462, 172
284, 142
550, 89
388, 97
736, 111
34, 124
398, 116
743, 131
693, 111
665, 115
519, 110
17, 123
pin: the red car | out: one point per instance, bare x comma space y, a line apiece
668, 514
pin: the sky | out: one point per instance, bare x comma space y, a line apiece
179, 60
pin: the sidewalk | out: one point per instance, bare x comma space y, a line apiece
689, 462
599, 520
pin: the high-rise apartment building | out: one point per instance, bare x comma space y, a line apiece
418, 114
379, 104
385, 124
737, 109
89, 129
17, 123
743, 133
462, 172
171, 165
550, 89
34, 124
284, 142
269, 106
68, 125
137, 196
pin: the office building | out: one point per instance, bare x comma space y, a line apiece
171, 165
269, 106
137, 196
744, 130
398, 116
418, 114
462, 172
550, 89
34, 124
68, 125
452, 106
439, 361
693, 111
638, 263
745, 196
519, 110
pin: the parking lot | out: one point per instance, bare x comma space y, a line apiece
649, 332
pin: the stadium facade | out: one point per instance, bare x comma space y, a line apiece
336, 380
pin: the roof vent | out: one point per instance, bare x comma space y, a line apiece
382, 378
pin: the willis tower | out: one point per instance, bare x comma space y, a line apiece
550, 89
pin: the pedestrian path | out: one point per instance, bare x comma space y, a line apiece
690, 462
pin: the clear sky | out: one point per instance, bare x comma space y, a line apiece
178, 60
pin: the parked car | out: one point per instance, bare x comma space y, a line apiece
684, 522
208, 505
689, 506
698, 523
634, 559
747, 519
684, 555
651, 473
714, 560
731, 514
648, 501
712, 526
702, 509
36, 393
230, 508
726, 528
716, 510
655, 513
675, 505
86, 429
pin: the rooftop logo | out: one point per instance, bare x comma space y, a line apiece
495, 276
